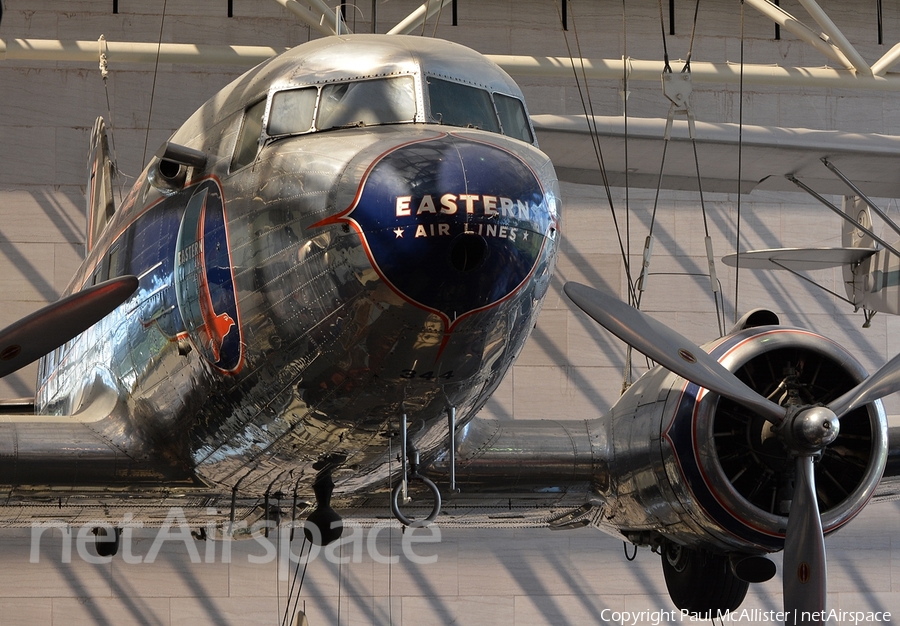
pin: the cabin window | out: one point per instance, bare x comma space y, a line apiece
367, 103
456, 104
248, 140
113, 267
292, 111
513, 119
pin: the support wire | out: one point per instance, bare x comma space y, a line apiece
587, 106
737, 237
162, 22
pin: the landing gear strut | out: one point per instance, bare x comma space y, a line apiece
410, 471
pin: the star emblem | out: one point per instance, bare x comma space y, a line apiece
399, 232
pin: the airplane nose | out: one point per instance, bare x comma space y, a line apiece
452, 224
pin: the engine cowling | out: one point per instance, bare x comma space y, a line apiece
718, 475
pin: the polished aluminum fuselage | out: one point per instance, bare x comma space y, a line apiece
280, 322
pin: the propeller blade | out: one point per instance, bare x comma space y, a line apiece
805, 582
669, 349
882, 383
45, 330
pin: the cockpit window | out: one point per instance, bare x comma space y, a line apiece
248, 141
360, 103
367, 102
456, 104
513, 118
383, 101
292, 111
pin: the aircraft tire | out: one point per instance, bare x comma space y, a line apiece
701, 582
106, 547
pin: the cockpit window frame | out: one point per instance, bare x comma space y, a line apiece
492, 93
238, 161
271, 103
418, 116
422, 109
468, 85
524, 109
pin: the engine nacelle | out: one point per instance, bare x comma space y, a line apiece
701, 471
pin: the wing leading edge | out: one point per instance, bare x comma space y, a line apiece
767, 155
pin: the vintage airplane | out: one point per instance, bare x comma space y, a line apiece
358, 230
331, 265
870, 265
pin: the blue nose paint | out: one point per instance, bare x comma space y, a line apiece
453, 225
204, 280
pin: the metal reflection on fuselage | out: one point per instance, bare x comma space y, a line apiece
292, 306
470, 215
204, 280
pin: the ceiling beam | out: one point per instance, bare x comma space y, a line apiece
418, 17
800, 30
134, 52
701, 72
318, 21
887, 61
834, 33
550, 67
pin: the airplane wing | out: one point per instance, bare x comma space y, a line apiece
797, 259
767, 155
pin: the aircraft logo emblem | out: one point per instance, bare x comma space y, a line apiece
475, 207
204, 283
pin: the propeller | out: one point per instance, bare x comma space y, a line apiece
805, 579
806, 430
669, 348
50, 327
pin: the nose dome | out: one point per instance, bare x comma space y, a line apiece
451, 224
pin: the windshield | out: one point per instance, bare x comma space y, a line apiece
456, 104
292, 111
513, 118
360, 103
368, 102
393, 101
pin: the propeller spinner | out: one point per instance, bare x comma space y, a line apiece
806, 430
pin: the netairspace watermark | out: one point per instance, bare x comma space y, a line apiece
273, 545
746, 616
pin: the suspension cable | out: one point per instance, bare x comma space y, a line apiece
673, 108
340, 581
598, 153
720, 319
687, 60
438, 20
162, 22
662, 28
625, 94
287, 606
648, 242
737, 237
390, 531
627, 372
